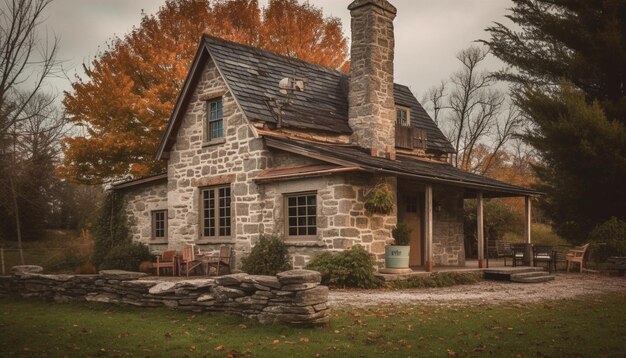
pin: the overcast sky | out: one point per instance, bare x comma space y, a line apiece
428, 32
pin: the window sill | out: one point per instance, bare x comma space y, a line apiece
294, 242
213, 142
158, 241
216, 241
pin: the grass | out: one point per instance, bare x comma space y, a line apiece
592, 327
58, 251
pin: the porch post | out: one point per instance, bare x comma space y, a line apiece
480, 237
527, 219
428, 230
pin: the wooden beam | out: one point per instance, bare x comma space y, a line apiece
480, 229
527, 219
428, 229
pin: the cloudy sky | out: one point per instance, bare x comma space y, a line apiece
428, 32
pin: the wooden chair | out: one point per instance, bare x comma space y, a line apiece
544, 253
503, 249
576, 255
221, 261
517, 253
188, 261
167, 259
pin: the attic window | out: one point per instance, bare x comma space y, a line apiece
403, 117
215, 121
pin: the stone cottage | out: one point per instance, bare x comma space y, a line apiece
260, 143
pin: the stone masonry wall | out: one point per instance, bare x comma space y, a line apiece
139, 203
292, 297
448, 240
372, 114
342, 220
232, 160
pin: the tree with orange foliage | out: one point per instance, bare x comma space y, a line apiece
125, 101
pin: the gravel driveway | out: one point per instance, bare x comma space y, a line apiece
492, 292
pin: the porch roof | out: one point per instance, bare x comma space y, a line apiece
350, 156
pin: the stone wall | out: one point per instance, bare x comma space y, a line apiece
448, 235
232, 160
293, 297
139, 204
342, 220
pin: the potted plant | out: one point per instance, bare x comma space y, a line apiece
379, 200
397, 255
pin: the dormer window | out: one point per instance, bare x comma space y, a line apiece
215, 120
403, 117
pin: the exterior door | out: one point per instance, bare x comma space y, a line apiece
409, 213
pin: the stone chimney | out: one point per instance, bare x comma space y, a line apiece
372, 114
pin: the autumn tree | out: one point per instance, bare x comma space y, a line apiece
567, 68
473, 113
128, 92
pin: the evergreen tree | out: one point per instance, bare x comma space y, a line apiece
567, 66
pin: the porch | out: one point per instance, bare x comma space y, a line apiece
434, 212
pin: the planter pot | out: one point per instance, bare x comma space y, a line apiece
397, 256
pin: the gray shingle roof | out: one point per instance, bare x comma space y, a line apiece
403, 166
253, 75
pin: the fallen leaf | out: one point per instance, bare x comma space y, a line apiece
219, 348
276, 341
243, 326
304, 339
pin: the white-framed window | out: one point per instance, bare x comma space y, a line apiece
216, 212
301, 215
403, 117
214, 119
159, 224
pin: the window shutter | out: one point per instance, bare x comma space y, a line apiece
418, 138
403, 137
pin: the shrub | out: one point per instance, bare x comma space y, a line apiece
126, 256
443, 279
86, 269
110, 228
350, 268
269, 256
401, 234
608, 239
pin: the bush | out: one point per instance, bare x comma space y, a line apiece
608, 239
126, 256
401, 234
268, 257
110, 228
443, 279
86, 269
350, 268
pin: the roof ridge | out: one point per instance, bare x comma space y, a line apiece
272, 53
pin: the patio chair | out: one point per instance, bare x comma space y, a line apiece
221, 261
544, 253
517, 253
576, 255
167, 259
503, 249
188, 262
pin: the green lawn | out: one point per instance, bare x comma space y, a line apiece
593, 327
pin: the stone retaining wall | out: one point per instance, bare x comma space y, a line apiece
293, 297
